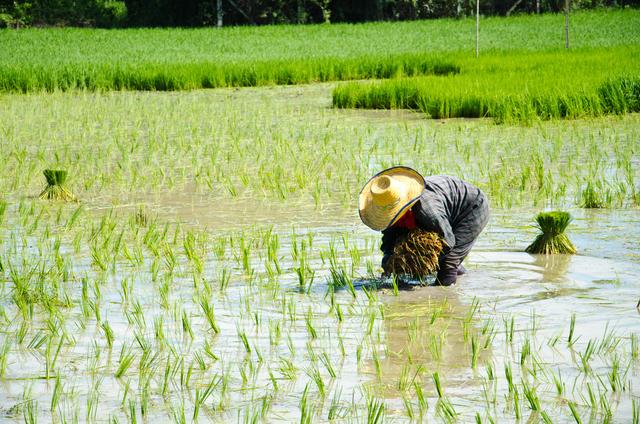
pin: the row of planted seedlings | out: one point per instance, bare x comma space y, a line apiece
142, 318
131, 316
588, 163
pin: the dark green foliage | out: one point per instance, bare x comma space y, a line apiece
183, 13
552, 240
93, 13
154, 13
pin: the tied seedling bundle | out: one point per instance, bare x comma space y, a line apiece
415, 254
552, 240
55, 189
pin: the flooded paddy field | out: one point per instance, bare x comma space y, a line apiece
215, 268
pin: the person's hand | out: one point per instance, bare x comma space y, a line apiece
385, 260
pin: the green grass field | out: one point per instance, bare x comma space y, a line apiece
519, 87
175, 59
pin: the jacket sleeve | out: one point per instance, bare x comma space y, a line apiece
389, 237
429, 218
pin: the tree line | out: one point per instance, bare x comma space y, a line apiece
197, 13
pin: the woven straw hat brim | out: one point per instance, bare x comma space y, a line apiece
379, 217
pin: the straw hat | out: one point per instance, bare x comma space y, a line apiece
388, 195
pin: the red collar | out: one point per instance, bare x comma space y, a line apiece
407, 221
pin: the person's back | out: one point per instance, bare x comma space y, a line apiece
455, 195
448, 206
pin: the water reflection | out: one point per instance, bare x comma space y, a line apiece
553, 268
426, 330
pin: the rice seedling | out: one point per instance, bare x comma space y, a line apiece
56, 189
126, 359
306, 411
30, 412
436, 381
559, 384
592, 198
446, 410
201, 396
531, 394
3, 209
574, 412
572, 327
475, 348
4, 352
509, 376
545, 417
207, 309
552, 240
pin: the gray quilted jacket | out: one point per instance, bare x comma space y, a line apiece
456, 210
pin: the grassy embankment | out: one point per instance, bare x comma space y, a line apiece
177, 59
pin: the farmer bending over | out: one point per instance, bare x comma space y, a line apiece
399, 199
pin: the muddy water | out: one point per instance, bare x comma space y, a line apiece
600, 286
382, 346
602, 293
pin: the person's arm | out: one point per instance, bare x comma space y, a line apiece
430, 217
389, 238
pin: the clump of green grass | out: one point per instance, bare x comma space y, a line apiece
592, 198
621, 95
552, 240
55, 189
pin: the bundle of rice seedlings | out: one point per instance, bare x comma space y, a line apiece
552, 240
55, 189
415, 255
